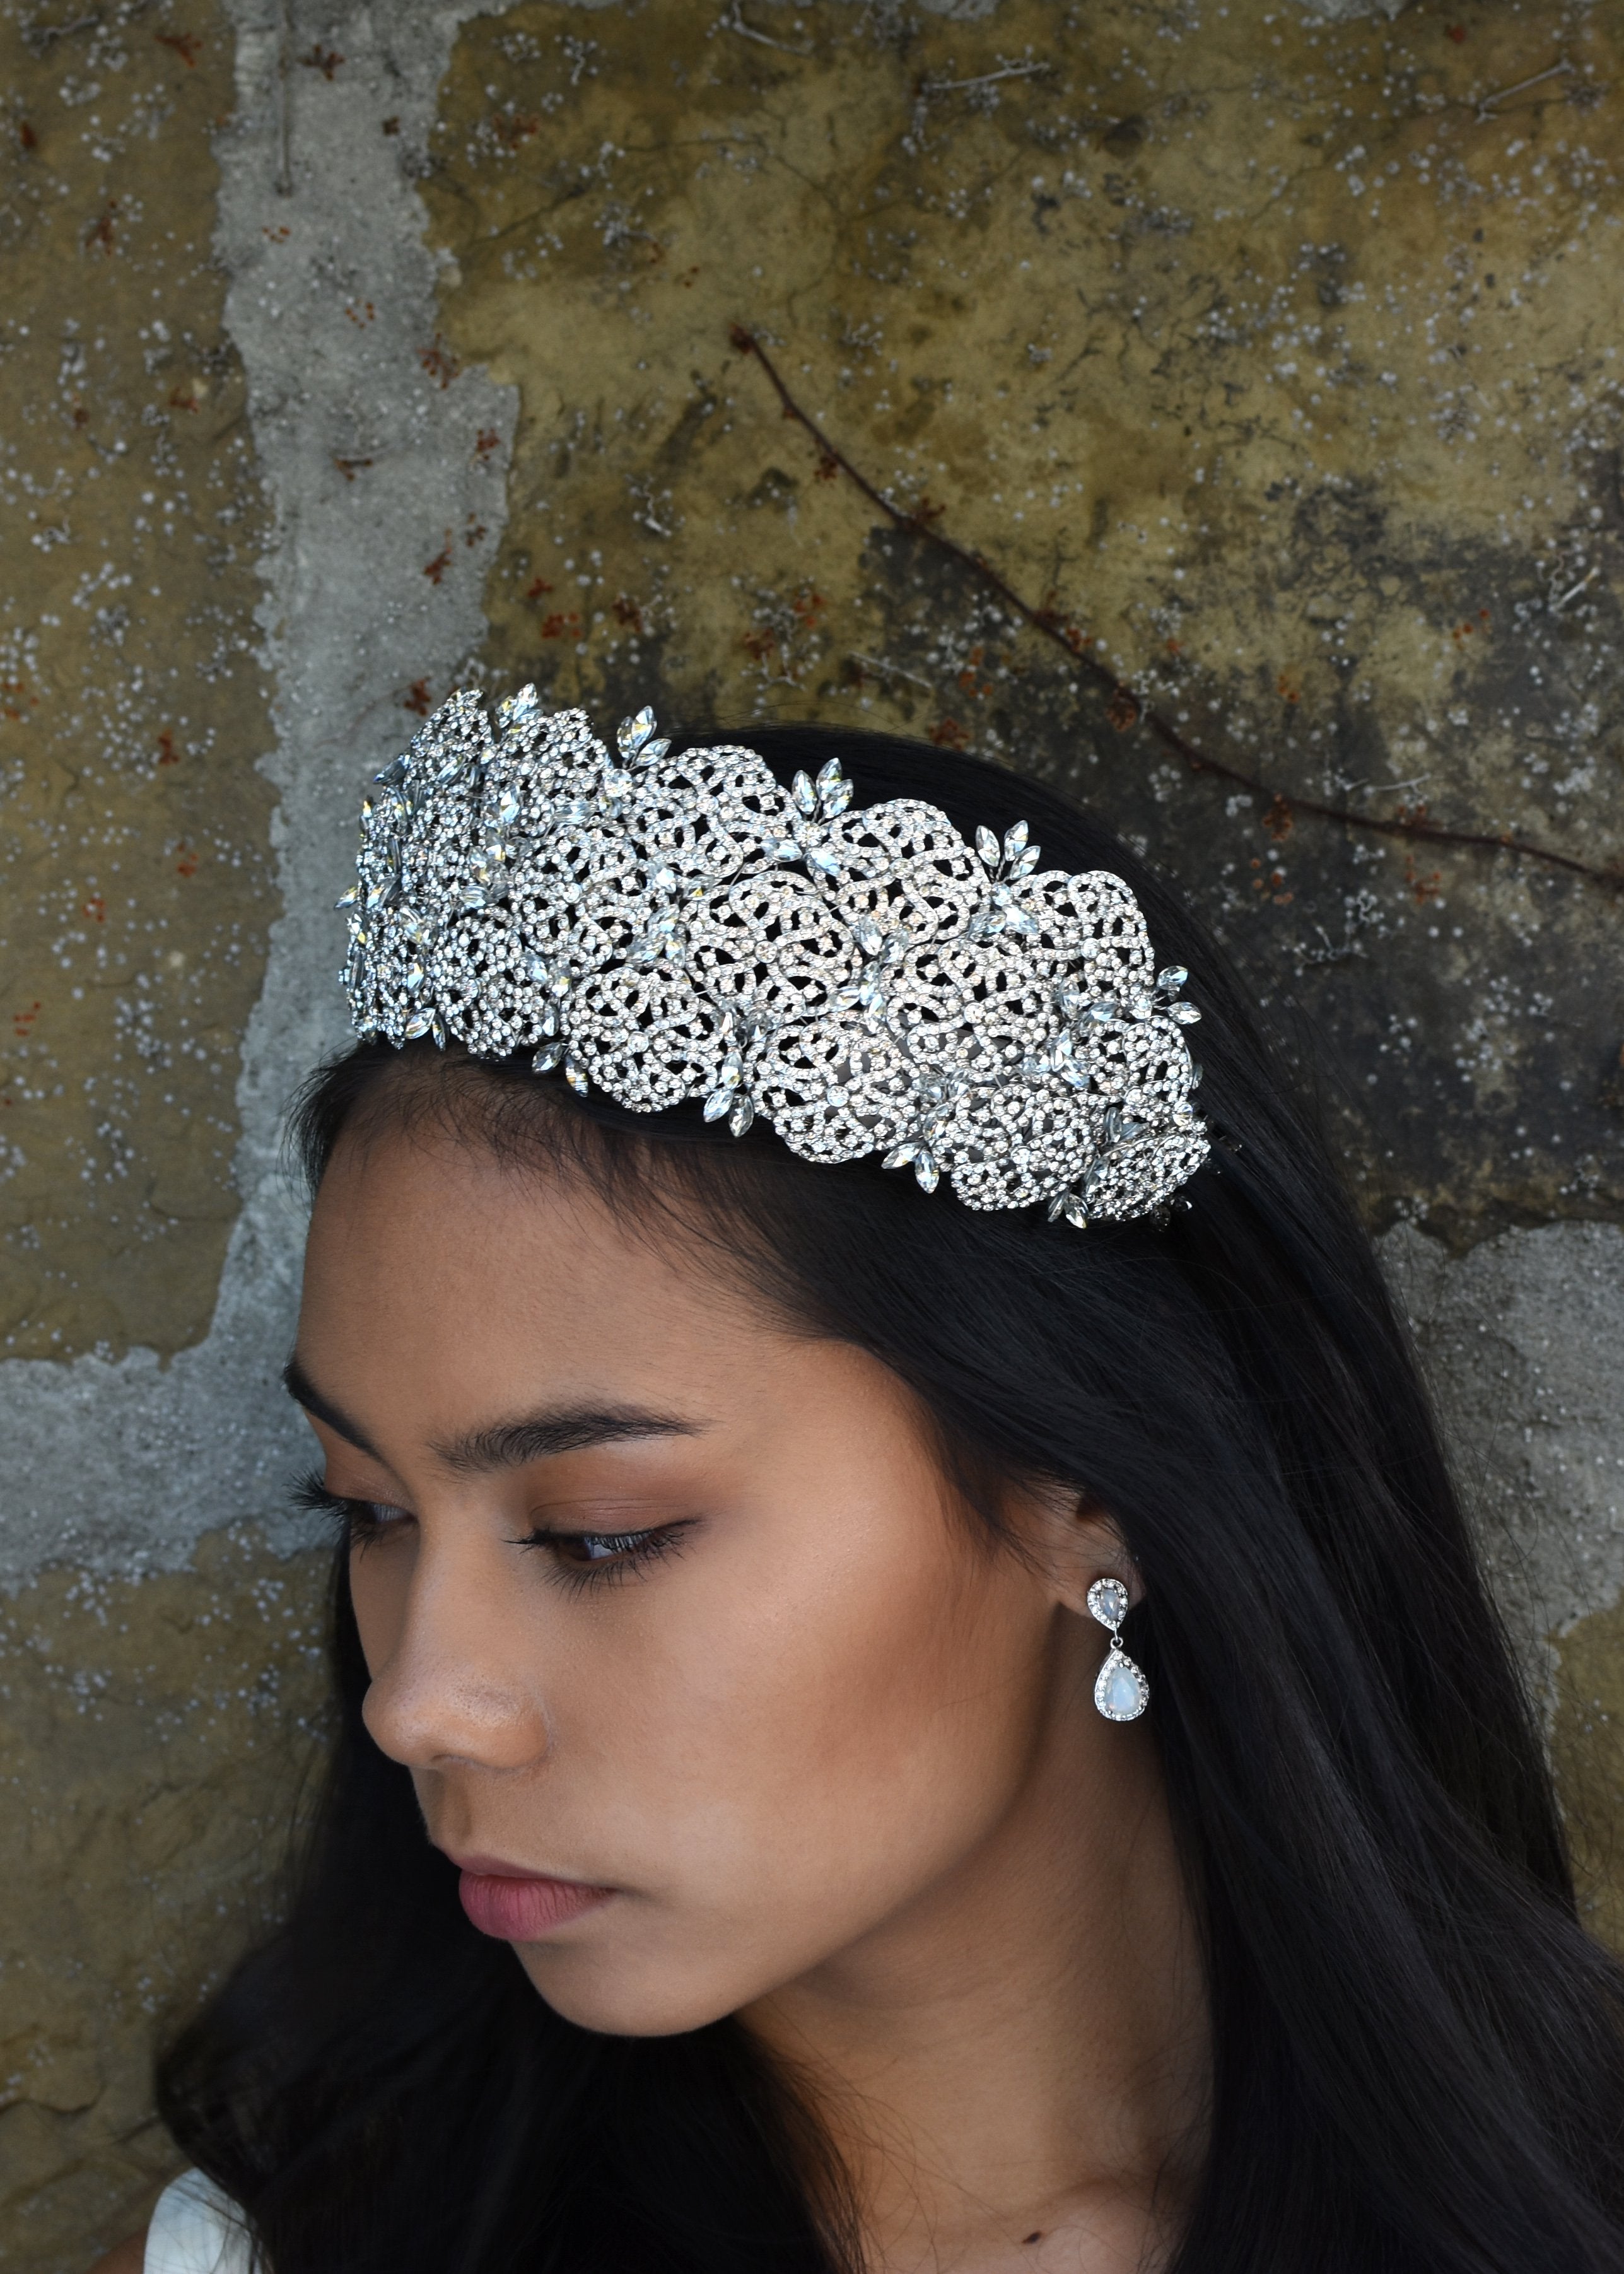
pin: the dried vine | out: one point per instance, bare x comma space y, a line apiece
1127, 709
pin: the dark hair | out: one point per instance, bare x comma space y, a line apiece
1418, 2062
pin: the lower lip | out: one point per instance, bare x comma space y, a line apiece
524, 1910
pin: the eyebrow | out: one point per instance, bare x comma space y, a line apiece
506, 1444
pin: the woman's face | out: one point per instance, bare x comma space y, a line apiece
656, 1598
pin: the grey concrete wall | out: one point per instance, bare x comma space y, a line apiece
1100, 282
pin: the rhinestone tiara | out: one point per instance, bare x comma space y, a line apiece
664, 927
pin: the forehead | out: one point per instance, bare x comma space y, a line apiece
417, 1234
444, 1288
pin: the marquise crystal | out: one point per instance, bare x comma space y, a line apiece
667, 928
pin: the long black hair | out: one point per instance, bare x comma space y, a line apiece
1419, 2058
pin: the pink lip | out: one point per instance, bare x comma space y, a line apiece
516, 1906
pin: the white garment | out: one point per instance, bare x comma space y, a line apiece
197, 2230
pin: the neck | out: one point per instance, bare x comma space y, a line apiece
1023, 2050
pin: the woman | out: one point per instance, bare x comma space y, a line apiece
918, 1601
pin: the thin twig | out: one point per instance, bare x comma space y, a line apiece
930, 87
733, 21
40, 39
1573, 590
890, 670
1127, 709
1504, 94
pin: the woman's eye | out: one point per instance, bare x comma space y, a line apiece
370, 1520
377, 1514
595, 1546
355, 1520
584, 1558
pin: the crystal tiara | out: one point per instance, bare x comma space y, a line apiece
863, 980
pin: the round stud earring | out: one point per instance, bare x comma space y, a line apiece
1120, 1691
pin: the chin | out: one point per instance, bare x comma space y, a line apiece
605, 1994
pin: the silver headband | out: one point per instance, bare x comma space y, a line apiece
667, 928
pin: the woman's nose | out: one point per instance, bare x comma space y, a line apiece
458, 1686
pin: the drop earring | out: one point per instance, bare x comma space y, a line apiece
1120, 1691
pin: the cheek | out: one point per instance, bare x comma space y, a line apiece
788, 1780
844, 1734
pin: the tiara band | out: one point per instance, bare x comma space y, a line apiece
666, 927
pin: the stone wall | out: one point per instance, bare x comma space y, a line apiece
1214, 410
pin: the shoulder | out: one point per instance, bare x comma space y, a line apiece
195, 2230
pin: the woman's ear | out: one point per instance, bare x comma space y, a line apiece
1076, 1541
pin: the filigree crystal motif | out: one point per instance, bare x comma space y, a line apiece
666, 927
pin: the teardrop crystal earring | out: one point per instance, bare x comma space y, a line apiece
1120, 1691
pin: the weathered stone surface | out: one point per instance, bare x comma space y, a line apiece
1588, 1739
155, 1739
1269, 358
1524, 1341
373, 446
1009, 254
134, 885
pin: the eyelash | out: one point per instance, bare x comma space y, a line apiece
626, 1553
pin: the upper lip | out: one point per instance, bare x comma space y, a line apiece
497, 1868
